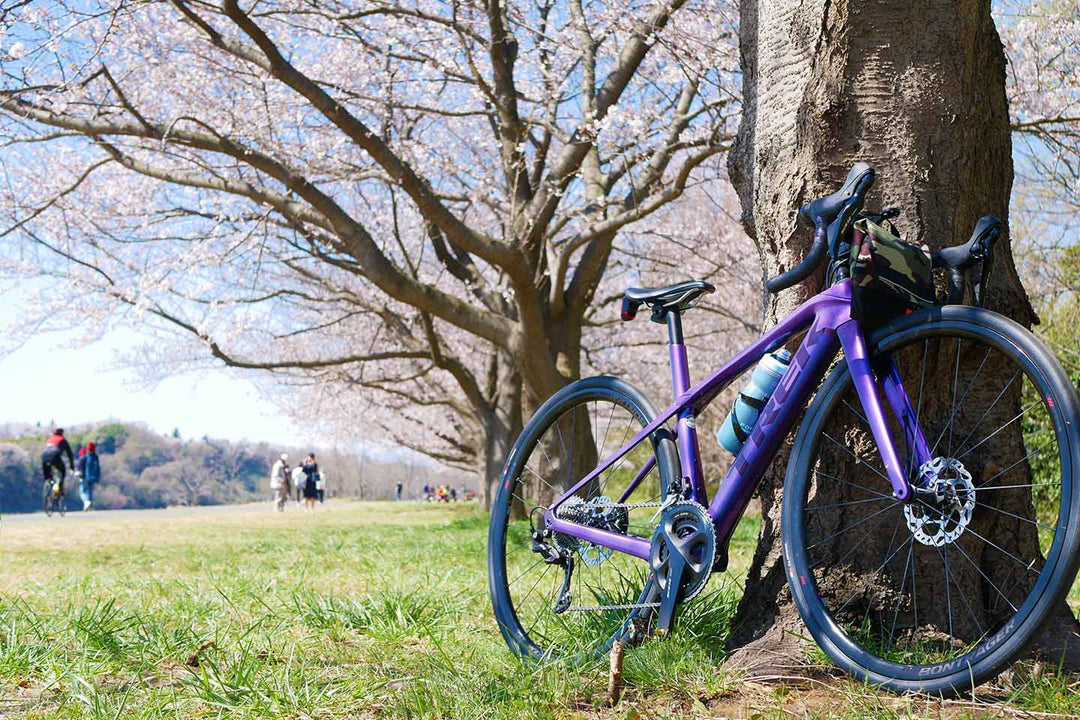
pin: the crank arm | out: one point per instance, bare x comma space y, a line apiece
665, 617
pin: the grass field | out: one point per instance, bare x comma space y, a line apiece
364, 610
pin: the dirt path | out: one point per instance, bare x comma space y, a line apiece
96, 516
108, 515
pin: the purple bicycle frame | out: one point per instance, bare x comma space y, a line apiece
826, 317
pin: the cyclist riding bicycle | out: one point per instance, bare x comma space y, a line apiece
56, 446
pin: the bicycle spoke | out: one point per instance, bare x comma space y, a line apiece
858, 460
899, 597
952, 417
979, 570
849, 502
948, 590
889, 555
989, 542
1018, 416
846, 482
1018, 517
1002, 472
852, 527
989, 407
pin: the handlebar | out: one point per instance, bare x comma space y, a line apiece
831, 216
804, 269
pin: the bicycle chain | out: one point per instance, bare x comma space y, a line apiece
671, 500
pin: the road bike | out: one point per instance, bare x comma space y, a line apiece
54, 497
929, 507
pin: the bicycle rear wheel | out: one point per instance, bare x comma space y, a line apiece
938, 595
569, 435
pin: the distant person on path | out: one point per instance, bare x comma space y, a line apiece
298, 483
453, 494
320, 484
56, 446
398, 488
279, 482
311, 488
89, 466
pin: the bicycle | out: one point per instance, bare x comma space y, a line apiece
928, 507
55, 495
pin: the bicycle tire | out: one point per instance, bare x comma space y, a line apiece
993, 651
566, 400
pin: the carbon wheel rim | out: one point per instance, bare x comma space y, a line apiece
529, 586
970, 635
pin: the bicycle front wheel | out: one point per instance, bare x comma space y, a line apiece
542, 612
938, 594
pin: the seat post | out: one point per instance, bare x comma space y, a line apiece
693, 484
680, 370
674, 326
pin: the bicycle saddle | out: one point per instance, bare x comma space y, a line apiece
829, 207
680, 297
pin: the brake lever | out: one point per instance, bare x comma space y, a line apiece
880, 216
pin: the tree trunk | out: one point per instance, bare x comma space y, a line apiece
918, 91
501, 425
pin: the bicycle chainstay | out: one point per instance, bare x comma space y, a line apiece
671, 499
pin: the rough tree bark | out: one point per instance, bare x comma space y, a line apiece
501, 424
917, 90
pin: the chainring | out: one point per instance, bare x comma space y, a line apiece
685, 527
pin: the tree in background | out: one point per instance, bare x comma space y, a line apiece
435, 185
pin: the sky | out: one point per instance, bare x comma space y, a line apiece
48, 381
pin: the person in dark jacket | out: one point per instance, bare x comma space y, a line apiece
52, 457
311, 482
89, 466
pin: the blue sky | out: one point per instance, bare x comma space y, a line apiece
46, 380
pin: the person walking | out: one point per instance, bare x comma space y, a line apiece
398, 490
311, 479
298, 482
279, 481
89, 467
320, 484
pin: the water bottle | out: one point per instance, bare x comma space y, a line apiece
744, 413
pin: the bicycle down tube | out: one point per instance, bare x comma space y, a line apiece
826, 317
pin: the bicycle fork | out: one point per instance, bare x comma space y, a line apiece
866, 385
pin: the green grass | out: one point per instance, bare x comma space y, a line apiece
364, 610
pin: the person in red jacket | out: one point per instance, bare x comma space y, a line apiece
52, 457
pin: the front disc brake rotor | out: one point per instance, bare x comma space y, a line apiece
943, 519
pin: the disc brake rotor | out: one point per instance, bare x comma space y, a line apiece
943, 517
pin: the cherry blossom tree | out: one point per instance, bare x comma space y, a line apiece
422, 196
1042, 44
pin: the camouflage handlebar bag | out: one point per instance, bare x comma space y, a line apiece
889, 277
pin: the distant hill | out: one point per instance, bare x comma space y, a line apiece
142, 469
